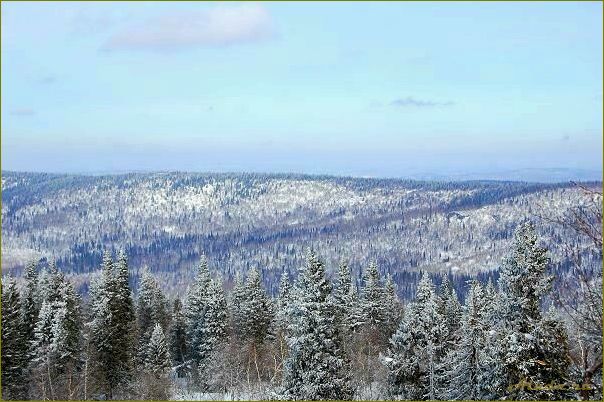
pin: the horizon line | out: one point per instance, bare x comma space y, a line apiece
430, 177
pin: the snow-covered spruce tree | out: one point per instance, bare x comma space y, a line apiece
464, 366
527, 349
30, 307
42, 285
195, 308
344, 299
283, 302
56, 347
67, 332
151, 309
403, 363
315, 368
280, 323
49, 284
417, 347
100, 381
257, 308
156, 380
373, 312
450, 309
123, 309
235, 301
490, 302
14, 344
379, 309
375, 323
112, 328
60, 349
178, 335
42, 363
158, 358
254, 312
206, 318
212, 328
393, 307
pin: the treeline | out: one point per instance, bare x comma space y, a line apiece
318, 339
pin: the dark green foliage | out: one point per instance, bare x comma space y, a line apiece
14, 346
112, 327
151, 309
254, 311
206, 318
177, 334
30, 306
316, 367
526, 346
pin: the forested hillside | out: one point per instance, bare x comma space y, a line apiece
316, 340
181, 286
166, 221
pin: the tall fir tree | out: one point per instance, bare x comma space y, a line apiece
236, 300
345, 299
316, 367
254, 313
14, 344
404, 370
373, 313
158, 357
281, 321
528, 349
195, 308
151, 309
212, 328
123, 311
30, 306
67, 331
450, 309
206, 318
393, 308
465, 376
156, 369
56, 347
283, 304
112, 327
257, 309
178, 335
417, 347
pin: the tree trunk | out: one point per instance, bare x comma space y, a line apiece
256, 362
588, 376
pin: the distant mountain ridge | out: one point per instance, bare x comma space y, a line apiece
240, 221
538, 175
533, 175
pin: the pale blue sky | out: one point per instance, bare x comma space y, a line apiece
385, 89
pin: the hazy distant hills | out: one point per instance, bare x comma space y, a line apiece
552, 175
166, 220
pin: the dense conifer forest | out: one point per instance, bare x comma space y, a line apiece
239, 222
318, 338
190, 286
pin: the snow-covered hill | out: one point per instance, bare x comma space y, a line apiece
166, 220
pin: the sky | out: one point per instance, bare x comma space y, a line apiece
365, 89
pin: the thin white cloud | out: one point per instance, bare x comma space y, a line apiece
216, 27
410, 101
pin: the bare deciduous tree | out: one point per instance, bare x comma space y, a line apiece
581, 300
